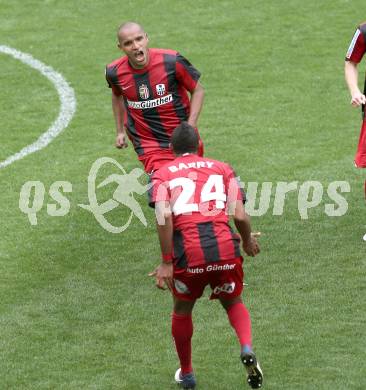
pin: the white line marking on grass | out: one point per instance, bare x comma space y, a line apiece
67, 100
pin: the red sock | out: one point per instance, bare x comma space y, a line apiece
240, 320
182, 331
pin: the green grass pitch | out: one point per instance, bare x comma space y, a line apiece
77, 310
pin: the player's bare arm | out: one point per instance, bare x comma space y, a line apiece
242, 223
197, 97
163, 275
351, 75
164, 272
118, 113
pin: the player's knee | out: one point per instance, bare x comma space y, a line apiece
183, 307
226, 303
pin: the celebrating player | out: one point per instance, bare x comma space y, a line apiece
149, 96
354, 56
193, 198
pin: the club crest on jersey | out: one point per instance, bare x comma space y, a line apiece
144, 91
160, 89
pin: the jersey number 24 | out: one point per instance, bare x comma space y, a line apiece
213, 189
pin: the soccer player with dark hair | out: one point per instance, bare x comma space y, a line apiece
150, 96
193, 198
355, 53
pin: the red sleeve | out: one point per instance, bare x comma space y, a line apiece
111, 77
357, 47
160, 188
234, 187
186, 73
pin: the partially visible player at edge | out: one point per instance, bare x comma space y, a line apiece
354, 55
193, 197
149, 96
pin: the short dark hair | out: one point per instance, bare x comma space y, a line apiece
127, 25
185, 139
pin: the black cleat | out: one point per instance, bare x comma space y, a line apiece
254, 372
187, 381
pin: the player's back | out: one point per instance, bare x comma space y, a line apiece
199, 190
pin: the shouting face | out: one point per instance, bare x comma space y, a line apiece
133, 42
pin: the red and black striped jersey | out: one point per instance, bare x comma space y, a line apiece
155, 97
199, 191
357, 47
